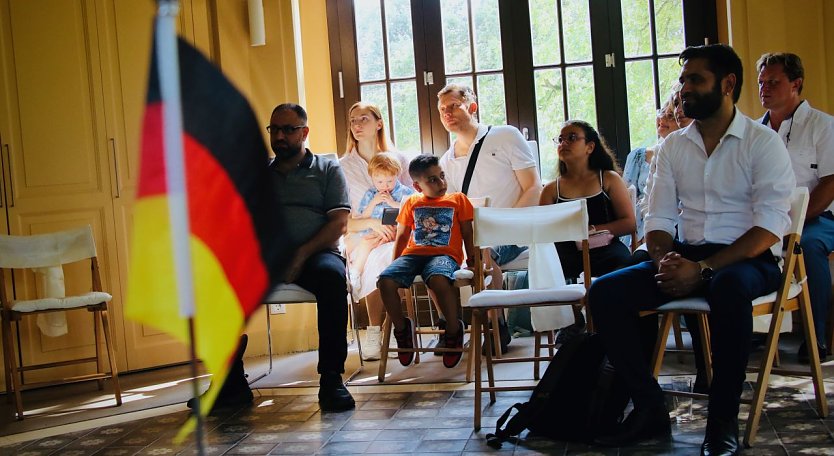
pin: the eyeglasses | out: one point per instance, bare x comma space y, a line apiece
286, 129
569, 139
361, 120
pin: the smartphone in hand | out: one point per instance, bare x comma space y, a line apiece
389, 215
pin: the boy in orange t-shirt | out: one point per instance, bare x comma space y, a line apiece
432, 230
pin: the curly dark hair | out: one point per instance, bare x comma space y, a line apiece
602, 157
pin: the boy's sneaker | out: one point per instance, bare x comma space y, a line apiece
452, 359
373, 343
405, 339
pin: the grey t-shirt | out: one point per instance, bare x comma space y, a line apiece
306, 195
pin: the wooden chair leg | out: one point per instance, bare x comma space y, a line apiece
476, 353
811, 341
494, 319
706, 350
16, 381
551, 342
537, 351
383, 352
470, 361
759, 391
114, 370
7, 353
97, 337
489, 364
660, 343
676, 326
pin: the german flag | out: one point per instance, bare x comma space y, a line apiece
235, 235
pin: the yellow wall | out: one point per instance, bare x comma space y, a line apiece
798, 26
318, 89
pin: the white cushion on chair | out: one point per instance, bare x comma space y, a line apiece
464, 274
70, 302
696, 304
510, 298
288, 293
792, 293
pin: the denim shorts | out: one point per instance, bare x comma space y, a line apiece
405, 268
503, 254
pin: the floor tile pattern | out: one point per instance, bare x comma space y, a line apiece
419, 423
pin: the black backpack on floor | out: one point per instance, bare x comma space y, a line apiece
576, 399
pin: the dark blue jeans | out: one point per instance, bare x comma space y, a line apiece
616, 298
324, 276
817, 242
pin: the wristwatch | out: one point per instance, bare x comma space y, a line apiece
706, 271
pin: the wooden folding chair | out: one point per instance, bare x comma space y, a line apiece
539, 227
791, 295
49, 253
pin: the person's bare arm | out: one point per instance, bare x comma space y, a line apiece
401, 239
624, 221
821, 197
531, 186
468, 244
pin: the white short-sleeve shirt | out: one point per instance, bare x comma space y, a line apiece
811, 145
503, 152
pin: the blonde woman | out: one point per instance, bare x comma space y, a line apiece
366, 138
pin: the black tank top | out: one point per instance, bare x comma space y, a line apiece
600, 208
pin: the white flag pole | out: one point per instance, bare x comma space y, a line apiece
169, 85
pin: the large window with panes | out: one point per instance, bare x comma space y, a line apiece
532, 63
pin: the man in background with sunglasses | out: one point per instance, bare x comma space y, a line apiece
808, 134
312, 195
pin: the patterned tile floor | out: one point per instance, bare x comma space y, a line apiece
429, 422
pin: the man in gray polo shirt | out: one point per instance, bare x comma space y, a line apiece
313, 199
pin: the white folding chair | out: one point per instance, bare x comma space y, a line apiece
48, 253
791, 295
290, 293
539, 227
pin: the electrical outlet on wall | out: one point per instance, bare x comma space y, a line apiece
277, 309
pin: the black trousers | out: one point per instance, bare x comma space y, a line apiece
615, 300
324, 276
604, 259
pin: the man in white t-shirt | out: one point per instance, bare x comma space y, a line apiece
505, 168
808, 134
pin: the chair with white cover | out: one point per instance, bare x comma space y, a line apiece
791, 295
290, 293
539, 227
45, 255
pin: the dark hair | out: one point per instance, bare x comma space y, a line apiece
420, 164
721, 61
297, 109
791, 64
601, 158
